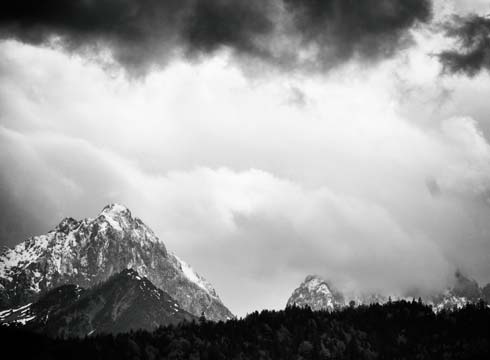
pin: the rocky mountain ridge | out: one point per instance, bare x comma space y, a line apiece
319, 294
89, 251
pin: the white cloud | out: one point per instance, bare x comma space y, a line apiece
253, 191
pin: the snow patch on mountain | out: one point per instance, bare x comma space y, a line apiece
113, 223
22, 315
318, 285
22, 255
194, 277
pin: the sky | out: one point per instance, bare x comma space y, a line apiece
262, 141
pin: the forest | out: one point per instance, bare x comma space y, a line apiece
395, 330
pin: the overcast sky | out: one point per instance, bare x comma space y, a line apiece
346, 139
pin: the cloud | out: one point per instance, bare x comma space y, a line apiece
370, 29
252, 223
260, 227
472, 54
231, 176
140, 35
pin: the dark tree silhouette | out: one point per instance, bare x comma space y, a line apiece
396, 330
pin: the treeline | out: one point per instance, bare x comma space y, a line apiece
396, 330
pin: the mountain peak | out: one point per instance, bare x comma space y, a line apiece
116, 209
316, 293
317, 283
91, 250
314, 278
118, 217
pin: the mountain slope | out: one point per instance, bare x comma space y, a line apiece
125, 301
89, 251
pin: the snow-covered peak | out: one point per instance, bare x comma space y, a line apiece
115, 210
319, 294
91, 250
317, 284
118, 217
316, 293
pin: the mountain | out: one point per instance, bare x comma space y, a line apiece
318, 294
89, 251
125, 301
463, 291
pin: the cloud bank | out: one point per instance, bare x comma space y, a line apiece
292, 34
357, 180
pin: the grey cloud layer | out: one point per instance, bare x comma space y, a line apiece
290, 33
472, 53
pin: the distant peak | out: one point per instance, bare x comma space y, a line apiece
115, 208
310, 278
316, 293
320, 284
315, 280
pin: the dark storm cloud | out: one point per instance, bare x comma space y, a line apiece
371, 29
149, 32
137, 32
472, 34
237, 24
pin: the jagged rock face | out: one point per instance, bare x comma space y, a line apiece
125, 301
89, 251
316, 293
